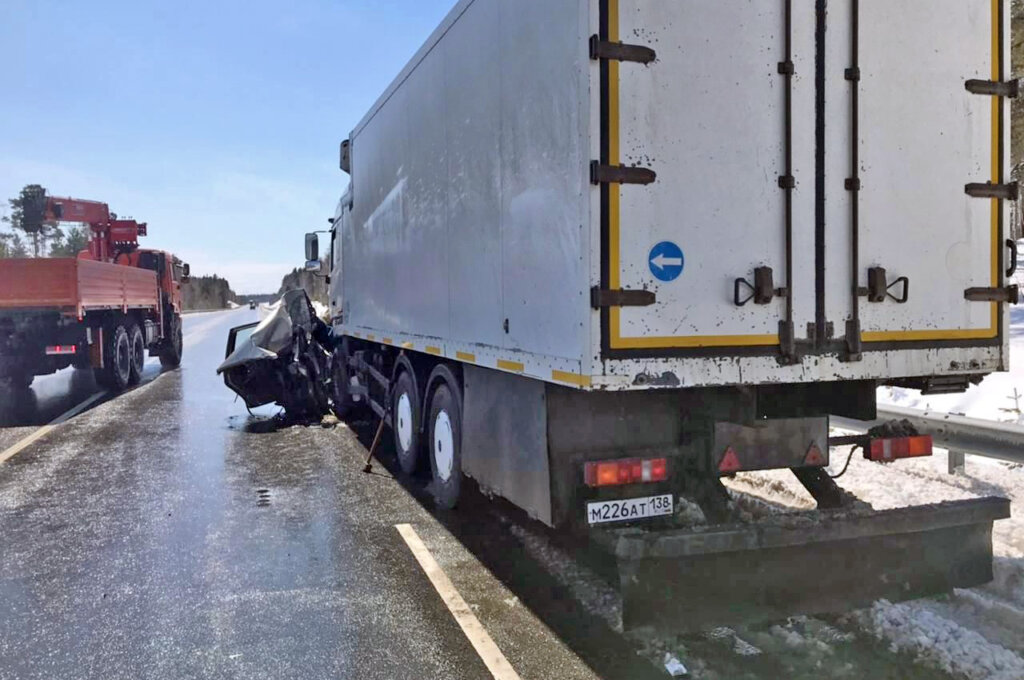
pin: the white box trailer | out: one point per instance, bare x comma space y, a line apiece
680, 235
823, 177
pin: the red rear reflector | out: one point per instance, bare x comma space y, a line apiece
814, 457
627, 471
900, 447
61, 349
730, 462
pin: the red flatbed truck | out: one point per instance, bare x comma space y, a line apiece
101, 310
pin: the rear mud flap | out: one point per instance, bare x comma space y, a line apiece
804, 563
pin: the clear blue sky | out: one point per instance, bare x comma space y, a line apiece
216, 121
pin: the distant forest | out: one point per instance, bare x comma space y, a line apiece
315, 286
207, 292
213, 292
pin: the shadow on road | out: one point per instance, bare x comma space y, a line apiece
481, 525
52, 395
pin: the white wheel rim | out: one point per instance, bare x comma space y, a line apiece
404, 422
444, 446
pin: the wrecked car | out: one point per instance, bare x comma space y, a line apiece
282, 360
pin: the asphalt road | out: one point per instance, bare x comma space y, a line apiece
165, 533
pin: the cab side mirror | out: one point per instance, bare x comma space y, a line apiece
315, 267
312, 248
186, 273
346, 156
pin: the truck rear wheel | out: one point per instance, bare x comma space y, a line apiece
406, 415
117, 360
170, 355
137, 355
446, 440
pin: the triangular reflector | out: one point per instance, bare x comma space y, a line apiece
814, 457
730, 462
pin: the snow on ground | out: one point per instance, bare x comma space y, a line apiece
1000, 396
976, 633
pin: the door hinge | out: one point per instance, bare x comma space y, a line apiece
995, 88
762, 291
1010, 294
1005, 192
620, 174
600, 298
879, 287
854, 346
616, 51
787, 345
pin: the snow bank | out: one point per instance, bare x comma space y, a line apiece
1000, 396
939, 642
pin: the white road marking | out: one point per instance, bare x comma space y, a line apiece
492, 657
45, 429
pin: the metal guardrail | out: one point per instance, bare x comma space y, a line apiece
958, 434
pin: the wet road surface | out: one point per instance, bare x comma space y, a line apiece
160, 534
168, 533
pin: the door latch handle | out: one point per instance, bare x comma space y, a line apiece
1011, 268
762, 291
879, 289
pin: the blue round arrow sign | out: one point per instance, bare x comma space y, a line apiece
666, 261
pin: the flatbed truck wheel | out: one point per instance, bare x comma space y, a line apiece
117, 359
137, 343
170, 355
406, 416
445, 443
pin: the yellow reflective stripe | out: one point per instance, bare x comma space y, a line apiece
465, 356
614, 209
429, 349
511, 366
571, 378
997, 172
997, 137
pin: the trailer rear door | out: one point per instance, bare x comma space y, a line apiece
904, 138
724, 117
789, 178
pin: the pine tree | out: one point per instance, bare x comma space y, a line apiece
71, 243
40, 233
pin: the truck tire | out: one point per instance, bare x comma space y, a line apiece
406, 416
116, 371
445, 442
137, 343
170, 355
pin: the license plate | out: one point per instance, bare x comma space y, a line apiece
629, 508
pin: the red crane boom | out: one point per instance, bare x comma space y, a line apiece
110, 235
